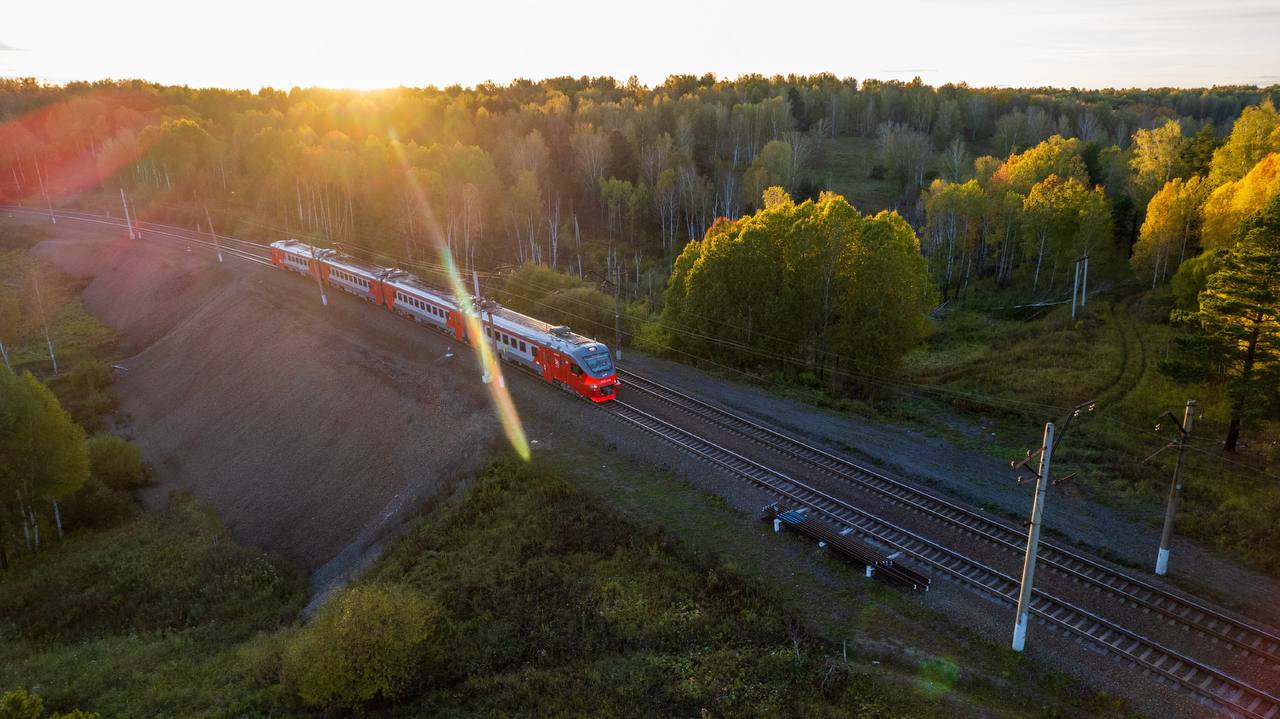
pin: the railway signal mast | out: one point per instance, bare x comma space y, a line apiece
1047, 446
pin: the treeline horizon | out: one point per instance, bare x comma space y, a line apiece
577, 174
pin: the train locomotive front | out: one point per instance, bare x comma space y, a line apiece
598, 381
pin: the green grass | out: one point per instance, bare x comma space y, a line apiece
75, 333
78, 338
143, 619
845, 168
893, 638
1014, 375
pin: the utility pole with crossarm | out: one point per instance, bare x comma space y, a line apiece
1047, 446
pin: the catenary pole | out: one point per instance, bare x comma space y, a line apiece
480, 306
45, 190
1175, 488
1084, 283
617, 314
47, 338
216, 247
1033, 542
1075, 290
324, 299
128, 221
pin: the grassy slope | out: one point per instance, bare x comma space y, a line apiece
77, 337
557, 604
627, 619
143, 619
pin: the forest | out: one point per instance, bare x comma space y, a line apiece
661, 195
608, 181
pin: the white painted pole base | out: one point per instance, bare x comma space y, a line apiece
1020, 633
777, 526
1162, 562
219, 257
486, 378
869, 568
324, 300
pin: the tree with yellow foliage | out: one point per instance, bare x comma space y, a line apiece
1232, 202
1157, 157
1173, 216
1255, 135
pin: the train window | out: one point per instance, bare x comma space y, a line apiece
522, 348
575, 369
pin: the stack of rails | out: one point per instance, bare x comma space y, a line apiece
877, 565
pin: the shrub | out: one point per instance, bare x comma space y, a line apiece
19, 704
366, 643
651, 337
115, 462
262, 656
89, 377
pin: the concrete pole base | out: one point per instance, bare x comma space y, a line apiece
1162, 562
1020, 633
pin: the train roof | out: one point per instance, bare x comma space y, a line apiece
294, 246
556, 336
411, 283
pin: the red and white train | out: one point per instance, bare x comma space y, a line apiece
566, 359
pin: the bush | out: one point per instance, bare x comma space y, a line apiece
651, 337
19, 704
263, 655
116, 462
366, 643
89, 377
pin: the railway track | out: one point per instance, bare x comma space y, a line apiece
1258, 642
1235, 696
243, 249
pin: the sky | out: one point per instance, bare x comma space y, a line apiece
367, 44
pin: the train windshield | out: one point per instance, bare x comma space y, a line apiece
598, 363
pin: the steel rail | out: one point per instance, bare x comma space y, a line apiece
167, 231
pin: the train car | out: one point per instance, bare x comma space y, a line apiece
363, 281
301, 258
571, 361
568, 360
410, 297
